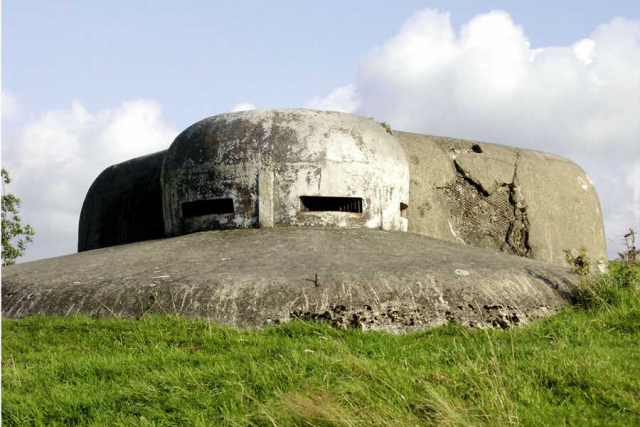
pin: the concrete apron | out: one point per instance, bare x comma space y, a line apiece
371, 279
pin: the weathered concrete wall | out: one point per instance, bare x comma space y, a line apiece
250, 169
123, 205
371, 279
518, 201
262, 169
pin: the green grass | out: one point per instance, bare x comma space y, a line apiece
580, 367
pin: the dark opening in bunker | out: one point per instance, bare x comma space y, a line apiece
403, 210
333, 204
207, 207
476, 148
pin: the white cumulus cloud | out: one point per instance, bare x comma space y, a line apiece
343, 99
585, 50
54, 160
486, 82
243, 106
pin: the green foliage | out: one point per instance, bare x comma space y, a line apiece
580, 263
629, 271
14, 235
616, 290
605, 292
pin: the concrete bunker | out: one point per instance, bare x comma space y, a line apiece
303, 170
284, 168
306, 168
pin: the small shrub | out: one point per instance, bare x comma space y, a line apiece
614, 289
580, 263
629, 268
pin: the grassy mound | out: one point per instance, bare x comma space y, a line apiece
581, 366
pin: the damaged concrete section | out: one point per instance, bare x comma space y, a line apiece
517, 238
503, 198
400, 318
496, 219
352, 278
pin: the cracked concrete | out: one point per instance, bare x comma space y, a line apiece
261, 164
517, 201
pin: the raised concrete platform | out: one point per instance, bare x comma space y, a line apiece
371, 279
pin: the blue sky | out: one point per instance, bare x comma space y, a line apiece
199, 58
87, 84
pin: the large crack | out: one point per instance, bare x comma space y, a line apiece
517, 237
496, 219
478, 186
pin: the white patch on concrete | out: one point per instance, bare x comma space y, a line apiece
451, 228
583, 183
454, 233
460, 272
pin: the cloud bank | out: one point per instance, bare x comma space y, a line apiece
54, 160
486, 82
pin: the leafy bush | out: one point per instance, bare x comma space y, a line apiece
615, 289
15, 236
580, 264
628, 270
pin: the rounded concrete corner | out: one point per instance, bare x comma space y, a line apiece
123, 205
